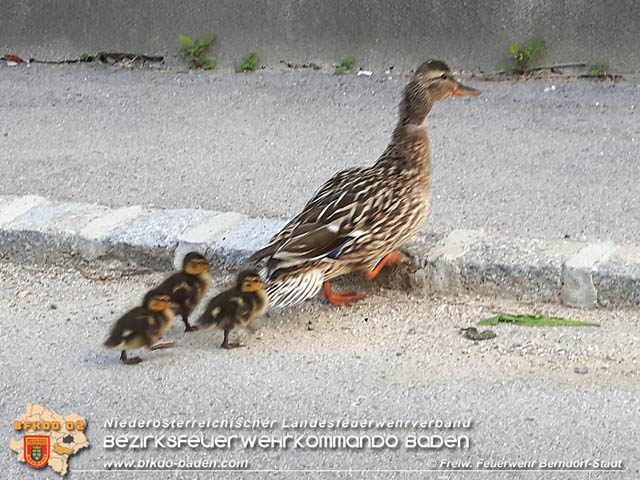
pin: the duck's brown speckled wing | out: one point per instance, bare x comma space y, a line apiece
312, 241
343, 210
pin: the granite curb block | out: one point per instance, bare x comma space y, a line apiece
578, 274
38, 231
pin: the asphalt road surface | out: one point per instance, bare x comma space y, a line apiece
531, 394
543, 158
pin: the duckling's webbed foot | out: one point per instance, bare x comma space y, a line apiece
160, 346
228, 346
129, 360
345, 298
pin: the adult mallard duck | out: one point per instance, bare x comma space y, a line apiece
359, 217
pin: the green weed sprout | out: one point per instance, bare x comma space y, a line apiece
194, 51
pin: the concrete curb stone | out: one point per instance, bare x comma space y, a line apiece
35, 230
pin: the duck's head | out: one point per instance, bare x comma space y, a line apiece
195, 264
157, 300
249, 281
431, 82
435, 80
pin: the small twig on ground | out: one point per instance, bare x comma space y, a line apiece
111, 277
560, 65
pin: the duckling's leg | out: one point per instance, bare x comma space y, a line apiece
185, 319
343, 298
129, 361
393, 257
159, 346
226, 344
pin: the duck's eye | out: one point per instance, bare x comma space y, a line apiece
444, 75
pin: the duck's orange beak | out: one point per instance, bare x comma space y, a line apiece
463, 91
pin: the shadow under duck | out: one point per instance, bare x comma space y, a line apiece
358, 218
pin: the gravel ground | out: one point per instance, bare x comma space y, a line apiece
531, 393
541, 158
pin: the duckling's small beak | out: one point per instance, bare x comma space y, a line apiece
464, 91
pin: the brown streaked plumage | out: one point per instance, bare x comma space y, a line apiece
360, 216
236, 307
188, 286
142, 326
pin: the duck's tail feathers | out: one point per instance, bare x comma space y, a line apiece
261, 254
287, 290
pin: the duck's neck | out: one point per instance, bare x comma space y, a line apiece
409, 147
412, 118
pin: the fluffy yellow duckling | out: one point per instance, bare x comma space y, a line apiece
236, 307
188, 286
142, 326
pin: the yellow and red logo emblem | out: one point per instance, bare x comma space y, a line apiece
36, 450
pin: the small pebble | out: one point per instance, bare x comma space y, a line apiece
53, 306
581, 370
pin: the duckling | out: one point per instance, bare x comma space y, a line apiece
237, 306
188, 286
142, 326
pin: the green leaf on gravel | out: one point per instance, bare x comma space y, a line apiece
536, 321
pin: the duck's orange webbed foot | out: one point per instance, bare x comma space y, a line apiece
345, 298
393, 257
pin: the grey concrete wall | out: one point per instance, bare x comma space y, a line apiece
468, 35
